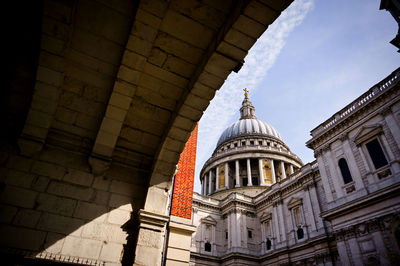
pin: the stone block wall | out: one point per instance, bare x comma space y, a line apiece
53, 207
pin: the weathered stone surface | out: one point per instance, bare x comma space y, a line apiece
7, 213
27, 218
69, 190
111, 252
19, 178
47, 169
59, 224
54, 242
81, 247
78, 177
104, 232
40, 183
17, 237
54, 204
18, 196
121, 202
119, 216
89, 211
186, 29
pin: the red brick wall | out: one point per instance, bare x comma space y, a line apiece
184, 179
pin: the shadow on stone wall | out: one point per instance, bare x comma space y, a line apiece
53, 208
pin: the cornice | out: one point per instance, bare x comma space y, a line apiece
362, 106
366, 227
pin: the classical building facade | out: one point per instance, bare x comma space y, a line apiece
259, 205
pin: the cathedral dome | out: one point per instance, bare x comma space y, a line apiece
250, 153
248, 127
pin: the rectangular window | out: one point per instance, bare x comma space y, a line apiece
249, 233
243, 143
251, 142
376, 153
235, 145
226, 235
260, 143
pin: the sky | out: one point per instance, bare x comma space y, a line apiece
316, 58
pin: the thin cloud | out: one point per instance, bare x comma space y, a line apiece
261, 57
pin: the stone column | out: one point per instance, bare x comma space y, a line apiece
291, 169
202, 184
209, 182
283, 170
226, 175
273, 172
249, 182
237, 173
260, 168
216, 178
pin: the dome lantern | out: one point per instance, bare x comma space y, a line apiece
247, 110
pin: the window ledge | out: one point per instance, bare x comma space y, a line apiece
349, 187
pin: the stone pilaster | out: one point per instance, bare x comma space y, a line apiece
179, 241
151, 238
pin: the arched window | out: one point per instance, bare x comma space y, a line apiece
269, 244
207, 246
344, 169
300, 233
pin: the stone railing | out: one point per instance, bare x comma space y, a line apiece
360, 102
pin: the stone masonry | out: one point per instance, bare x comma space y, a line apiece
99, 100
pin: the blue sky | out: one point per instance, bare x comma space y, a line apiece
317, 57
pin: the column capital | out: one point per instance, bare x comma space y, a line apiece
152, 221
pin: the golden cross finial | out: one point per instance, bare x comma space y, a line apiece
246, 93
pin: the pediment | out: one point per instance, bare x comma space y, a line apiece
293, 202
367, 132
265, 216
208, 220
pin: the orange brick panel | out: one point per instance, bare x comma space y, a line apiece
184, 179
